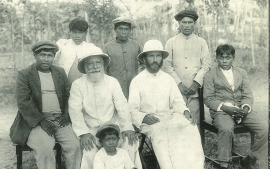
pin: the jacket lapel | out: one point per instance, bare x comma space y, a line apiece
223, 79
236, 78
35, 83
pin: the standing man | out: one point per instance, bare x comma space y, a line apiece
123, 53
97, 99
158, 109
43, 117
188, 60
71, 49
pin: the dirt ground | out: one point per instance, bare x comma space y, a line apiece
8, 113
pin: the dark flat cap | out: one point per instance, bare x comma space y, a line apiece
186, 13
44, 45
106, 126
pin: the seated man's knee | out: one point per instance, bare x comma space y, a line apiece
226, 128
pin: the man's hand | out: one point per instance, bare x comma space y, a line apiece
233, 111
191, 117
132, 137
88, 141
193, 88
150, 119
48, 127
64, 120
246, 110
183, 89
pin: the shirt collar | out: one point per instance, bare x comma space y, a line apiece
118, 41
186, 37
73, 43
152, 74
226, 71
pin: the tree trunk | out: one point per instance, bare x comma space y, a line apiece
12, 42
251, 39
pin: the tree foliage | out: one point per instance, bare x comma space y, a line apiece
100, 14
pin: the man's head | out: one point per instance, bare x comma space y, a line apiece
153, 55
44, 52
108, 136
225, 55
78, 30
186, 20
93, 63
122, 27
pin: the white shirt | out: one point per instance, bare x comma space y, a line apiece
67, 53
93, 104
120, 160
50, 102
154, 93
229, 76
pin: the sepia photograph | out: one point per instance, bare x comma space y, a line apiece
134, 84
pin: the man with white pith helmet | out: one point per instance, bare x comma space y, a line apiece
96, 99
158, 109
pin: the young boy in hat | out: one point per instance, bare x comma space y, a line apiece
109, 156
70, 50
228, 95
43, 116
123, 52
188, 60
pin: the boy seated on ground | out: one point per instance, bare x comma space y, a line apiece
228, 95
109, 156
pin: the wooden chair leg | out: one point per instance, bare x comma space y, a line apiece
252, 139
202, 133
19, 156
58, 156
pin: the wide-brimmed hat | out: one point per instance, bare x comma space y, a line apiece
107, 126
151, 46
92, 51
44, 45
186, 13
123, 19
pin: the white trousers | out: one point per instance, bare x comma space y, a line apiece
176, 142
88, 156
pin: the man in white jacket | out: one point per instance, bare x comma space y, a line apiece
70, 50
158, 109
96, 99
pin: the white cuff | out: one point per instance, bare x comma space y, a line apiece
219, 107
242, 107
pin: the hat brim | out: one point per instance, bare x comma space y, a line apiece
165, 54
105, 57
182, 15
108, 127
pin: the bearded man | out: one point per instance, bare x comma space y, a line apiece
96, 99
158, 109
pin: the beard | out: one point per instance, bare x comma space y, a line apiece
154, 67
95, 75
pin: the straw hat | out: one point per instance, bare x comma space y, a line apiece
151, 46
92, 51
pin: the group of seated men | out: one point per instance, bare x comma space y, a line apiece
92, 114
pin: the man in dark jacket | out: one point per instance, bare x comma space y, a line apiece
43, 118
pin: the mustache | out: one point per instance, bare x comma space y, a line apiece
94, 71
155, 63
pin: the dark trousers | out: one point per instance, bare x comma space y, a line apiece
225, 124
